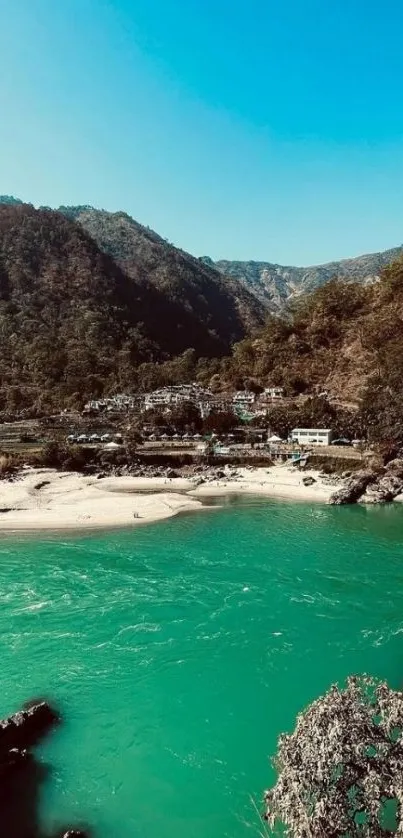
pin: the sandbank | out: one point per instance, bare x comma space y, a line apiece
49, 500
44, 499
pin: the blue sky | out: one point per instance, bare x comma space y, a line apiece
239, 129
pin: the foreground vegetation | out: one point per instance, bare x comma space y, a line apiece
340, 772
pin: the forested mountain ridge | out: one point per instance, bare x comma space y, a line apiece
73, 323
222, 304
275, 285
344, 339
241, 290
141, 251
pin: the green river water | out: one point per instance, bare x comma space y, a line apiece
178, 652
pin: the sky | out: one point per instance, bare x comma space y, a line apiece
237, 129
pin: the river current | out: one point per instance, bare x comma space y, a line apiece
178, 653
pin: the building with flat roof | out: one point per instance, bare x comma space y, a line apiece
311, 436
243, 400
274, 392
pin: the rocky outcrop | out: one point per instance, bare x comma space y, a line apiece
274, 285
372, 485
27, 727
353, 489
384, 490
21, 775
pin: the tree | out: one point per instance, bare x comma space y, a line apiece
133, 438
341, 771
185, 417
222, 422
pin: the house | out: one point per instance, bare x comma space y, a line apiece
273, 392
176, 395
311, 436
243, 400
119, 402
215, 404
222, 450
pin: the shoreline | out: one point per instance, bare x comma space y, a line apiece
48, 500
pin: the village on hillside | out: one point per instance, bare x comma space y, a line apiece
186, 421
243, 409
246, 403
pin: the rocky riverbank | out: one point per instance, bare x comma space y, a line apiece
376, 484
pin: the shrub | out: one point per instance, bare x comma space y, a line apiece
341, 771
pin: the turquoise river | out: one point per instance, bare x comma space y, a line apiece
178, 652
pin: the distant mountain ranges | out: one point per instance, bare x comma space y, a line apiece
275, 285
142, 252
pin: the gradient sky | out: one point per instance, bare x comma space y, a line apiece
239, 129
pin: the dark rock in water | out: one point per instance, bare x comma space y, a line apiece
308, 481
353, 489
21, 776
11, 761
25, 728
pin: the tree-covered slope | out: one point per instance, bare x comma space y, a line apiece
70, 320
223, 305
74, 323
344, 338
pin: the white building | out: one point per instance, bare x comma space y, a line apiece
274, 392
311, 436
158, 398
119, 402
243, 400
172, 396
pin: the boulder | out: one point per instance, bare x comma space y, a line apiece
395, 467
25, 728
308, 481
373, 496
384, 490
353, 489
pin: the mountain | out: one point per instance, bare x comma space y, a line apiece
221, 307
343, 338
142, 252
275, 285
75, 323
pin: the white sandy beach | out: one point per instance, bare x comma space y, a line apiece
282, 481
42, 499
